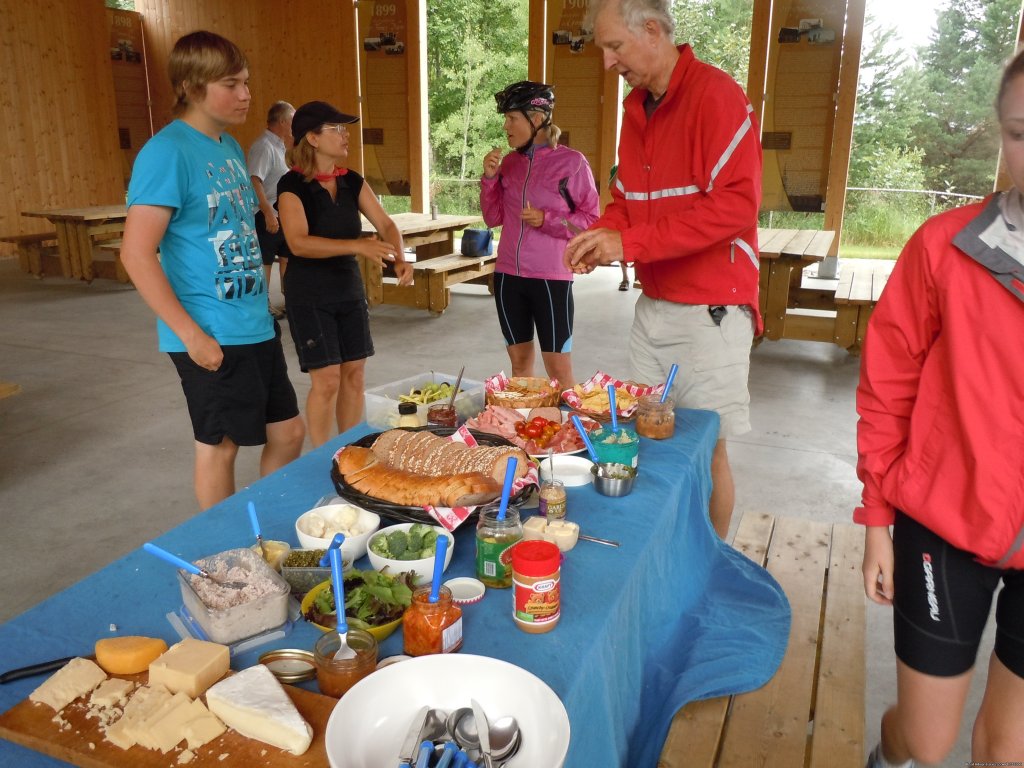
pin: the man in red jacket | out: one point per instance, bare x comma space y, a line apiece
684, 212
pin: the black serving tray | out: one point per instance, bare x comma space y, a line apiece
402, 513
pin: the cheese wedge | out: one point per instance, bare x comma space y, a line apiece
77, 678
128, 655
254, 704
143, 704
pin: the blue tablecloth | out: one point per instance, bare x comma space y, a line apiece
671, 616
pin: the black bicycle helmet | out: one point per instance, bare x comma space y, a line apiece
527, 96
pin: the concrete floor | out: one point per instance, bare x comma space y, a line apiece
96, 450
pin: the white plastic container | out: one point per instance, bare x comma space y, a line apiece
382, 401
263, 611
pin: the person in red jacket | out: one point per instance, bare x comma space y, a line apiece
684, 212
941, 453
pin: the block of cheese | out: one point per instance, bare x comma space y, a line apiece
128, 655
143, 703
76, 678
190, 666
254, 704
112, 692
204, 728
143, 731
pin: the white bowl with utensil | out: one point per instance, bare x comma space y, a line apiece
370, 722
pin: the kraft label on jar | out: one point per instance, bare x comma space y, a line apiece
538, 603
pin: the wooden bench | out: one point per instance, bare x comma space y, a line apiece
811, 713
860, 287
106, 261
432, 278
37, 252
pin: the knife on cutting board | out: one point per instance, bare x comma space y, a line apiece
410, 746
37, 669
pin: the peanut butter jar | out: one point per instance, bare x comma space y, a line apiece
536, 577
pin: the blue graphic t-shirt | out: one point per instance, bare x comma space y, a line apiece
209, 253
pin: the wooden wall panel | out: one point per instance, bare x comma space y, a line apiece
298, 51
59, 135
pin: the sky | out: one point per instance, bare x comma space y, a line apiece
914, 19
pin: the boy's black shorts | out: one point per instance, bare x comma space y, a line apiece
943, 597
250, 390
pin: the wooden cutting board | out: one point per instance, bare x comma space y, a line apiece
32, 725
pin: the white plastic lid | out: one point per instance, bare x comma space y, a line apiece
466, 590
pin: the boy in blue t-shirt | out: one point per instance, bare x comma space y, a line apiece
191, 196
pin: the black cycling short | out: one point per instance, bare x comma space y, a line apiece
250, 390
330, 333
943, 597
527, 302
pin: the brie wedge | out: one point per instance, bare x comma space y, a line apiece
254, 704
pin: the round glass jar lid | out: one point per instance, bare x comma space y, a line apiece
290, 665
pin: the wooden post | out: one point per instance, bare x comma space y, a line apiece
419, 170
757, 71
842, 136
537, 67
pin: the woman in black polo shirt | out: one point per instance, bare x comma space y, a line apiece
319, 202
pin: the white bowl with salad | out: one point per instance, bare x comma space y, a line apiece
408, 547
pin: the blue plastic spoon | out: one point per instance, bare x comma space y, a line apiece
256, 529
585, 437
613, 406
506, 491
339, 539
345, 651
668, 382
188, 567
440, 552
426, 751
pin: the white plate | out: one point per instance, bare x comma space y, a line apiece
369, 723
571, 470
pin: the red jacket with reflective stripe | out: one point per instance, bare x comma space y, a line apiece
688, 189
941, 398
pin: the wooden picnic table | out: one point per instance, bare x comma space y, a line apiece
78, 231
784, 254
433, 239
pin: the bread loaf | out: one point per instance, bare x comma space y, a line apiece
369, 473
425, 453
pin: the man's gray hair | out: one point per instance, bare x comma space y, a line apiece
279, 111
636, 13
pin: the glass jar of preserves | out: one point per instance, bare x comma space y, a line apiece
655, 419
336, 676
553, 499
442, 415
494, 537
432, 627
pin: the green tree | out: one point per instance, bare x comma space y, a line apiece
718, 31
962, 63
474, 49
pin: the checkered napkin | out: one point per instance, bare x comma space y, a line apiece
601, 380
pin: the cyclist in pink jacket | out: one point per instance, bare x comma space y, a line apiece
541, 195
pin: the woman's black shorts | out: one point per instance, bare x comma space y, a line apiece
250, 390
329, 333
943, 597
527, 302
